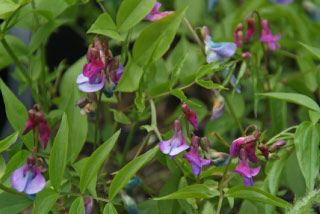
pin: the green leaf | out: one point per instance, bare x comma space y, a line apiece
299, 99
306, 204
209, 84
3, 166
77, 133
104, 25
313, 50
124, 175
58, 155
130, 79
139, 100
192, 191
10, 203
314, 116
307, 141
78, 166
211, 67
16, 113
242, 71
8, 6
77, 206
179, 94
176, 70
96, 160
8, 141
155, 40
109, 209
255, 194
45, 201
120, 117
131, 12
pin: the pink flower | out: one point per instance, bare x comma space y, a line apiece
190, 115
37, 118
277, 145
155, 15
264, 150
88, 206
176, 144
250, 29
193, 157
266, 36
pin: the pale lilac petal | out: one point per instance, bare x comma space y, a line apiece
196, 169
82, 79
156, 7
19, 178
87, 87
282, 2
204, 162
247, 181
244, 170
178, 149
165, 146
88, 205
29, 125
36, 182
224, 49
44, 131
236, 146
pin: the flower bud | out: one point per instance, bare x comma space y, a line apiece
190, 115
277, 145
264, 150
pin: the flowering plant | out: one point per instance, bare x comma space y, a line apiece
140, 106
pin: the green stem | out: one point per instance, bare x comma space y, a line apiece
84, 195
128, 143
96, 133
144, 143
233, 113
101, 6
299, 75
281, 133
194, 34
9, 190
220, 139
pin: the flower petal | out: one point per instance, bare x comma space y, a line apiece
29, 125
44, 131
36, 183
87, 87
82, 79
165, 146
19, 178
247, 181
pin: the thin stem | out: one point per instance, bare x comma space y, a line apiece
281, 133
36, 143
84, 195
294, 77
142, 146
128, 143
96, 133
194, 34
220, 139
101, 6
221, 185
9, 190
233, 113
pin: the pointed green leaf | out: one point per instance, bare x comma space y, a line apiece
179, 94
131, 12
45, 201
313, 50
8, 6
192, 191
299, 99
8, 141
77, 206
209, 84
109, 209
13, 204
176, 70
242, 71
16, 113
104, 25
255, 194
96, 160
129, 170
58, 155
306, 140
120, 117
155, 40
130, 79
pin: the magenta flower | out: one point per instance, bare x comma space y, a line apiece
216, 51
88, 206
283, 2
28, 178
37, 118
155, 15
266, 36
250, 149
237, 144
244, 170
190, 115
193, 157
277, 145
264, 150
115, 75
176, 144
251, 29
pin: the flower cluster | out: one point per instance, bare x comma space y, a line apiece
37, 120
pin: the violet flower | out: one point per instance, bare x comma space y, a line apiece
155, 15
176, 144
28, 178
88, 206
266, 36
190, 115
37, 118
250, 149
277, 145
244, 170
264, 150
250, 29
216, 51
193, 157
237, 144
282, 2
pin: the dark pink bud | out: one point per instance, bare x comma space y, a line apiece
251, 29
190, 115
264, 150
238, 35
277, 145
250, 149
246, 55
44, 131
243, 154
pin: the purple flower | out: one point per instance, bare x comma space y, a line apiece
190, 115
155, 15
277, 145
237, 144
92, 78
88, 206
37, 118
216, 51
250, 149
283, 2
28, 178
115, 76
266, 36
176, 144
264, 150
244, 170
218, 107
193, 157
250, 29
